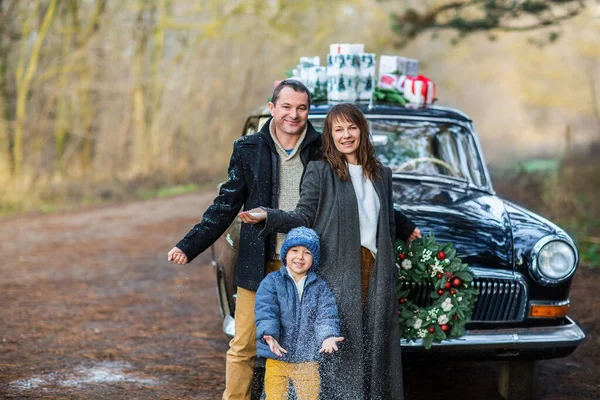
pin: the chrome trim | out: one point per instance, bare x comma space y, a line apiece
431, 178
501, 274
221, 292
229, 326
508, 339
481, 272
550, 302
488, 178
533, 260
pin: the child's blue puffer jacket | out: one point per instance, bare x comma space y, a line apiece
299, 327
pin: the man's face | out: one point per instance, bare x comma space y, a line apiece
290, 113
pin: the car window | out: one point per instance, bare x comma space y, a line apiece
473, 161
425, 148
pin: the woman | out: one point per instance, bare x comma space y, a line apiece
347, 199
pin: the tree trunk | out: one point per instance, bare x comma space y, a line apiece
24, 78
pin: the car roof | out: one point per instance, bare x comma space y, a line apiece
385, 109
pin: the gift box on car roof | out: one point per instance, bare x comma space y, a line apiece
351, 76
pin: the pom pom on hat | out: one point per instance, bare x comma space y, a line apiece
302, 236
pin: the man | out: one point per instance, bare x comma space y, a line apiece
265, 169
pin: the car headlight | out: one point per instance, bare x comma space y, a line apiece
553, 260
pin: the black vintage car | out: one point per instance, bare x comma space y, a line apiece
523, 264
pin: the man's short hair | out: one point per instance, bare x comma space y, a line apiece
297, 86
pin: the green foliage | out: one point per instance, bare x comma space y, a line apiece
389, 96
535, 7
466, 17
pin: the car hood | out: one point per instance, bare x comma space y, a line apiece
475, 222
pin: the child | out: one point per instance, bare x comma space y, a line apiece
296, 319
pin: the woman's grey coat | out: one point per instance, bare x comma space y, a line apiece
371, 348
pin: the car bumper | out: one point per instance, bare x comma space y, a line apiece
533, 342
537, 342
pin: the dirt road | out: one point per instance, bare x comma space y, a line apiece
91, 309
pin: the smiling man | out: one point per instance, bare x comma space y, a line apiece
265, 169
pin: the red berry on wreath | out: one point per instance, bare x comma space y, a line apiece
456, 282
431, 329
447, 285
453, 292
445, 327
441, 255
448, 274
401, 256
440, 291
399, 312
439, 275
455, 317
402, 300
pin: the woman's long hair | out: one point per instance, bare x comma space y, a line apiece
365, 153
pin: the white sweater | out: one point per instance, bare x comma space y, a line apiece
368, 207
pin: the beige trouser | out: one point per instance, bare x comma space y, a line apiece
239, 365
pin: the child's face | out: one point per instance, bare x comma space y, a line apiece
299, 259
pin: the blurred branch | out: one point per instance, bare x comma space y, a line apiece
466, 17
594, 94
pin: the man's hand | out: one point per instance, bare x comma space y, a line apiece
253, 216
274, 345
177, 256
330, 344
415, 235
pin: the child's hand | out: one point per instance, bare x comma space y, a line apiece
330, 344
274, 345
253, 216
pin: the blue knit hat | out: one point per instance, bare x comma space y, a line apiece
302, 236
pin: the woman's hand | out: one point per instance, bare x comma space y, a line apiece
274, 345
253, 216
330, 344
416, 234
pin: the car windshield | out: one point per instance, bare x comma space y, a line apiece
425, 148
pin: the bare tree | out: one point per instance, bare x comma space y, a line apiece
469, 16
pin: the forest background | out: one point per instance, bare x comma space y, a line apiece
109, 100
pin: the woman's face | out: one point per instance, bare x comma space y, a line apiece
346, 136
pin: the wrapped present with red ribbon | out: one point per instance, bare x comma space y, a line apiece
419, 90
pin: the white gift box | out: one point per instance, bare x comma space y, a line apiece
307, 62
388, 81
315, 76
339, 48
398, 66
341, 88
419, 90
412, 67
357, 48
388, 65
346, 48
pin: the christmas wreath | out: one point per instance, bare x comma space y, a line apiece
435, 266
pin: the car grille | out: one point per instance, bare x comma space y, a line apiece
498, 300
